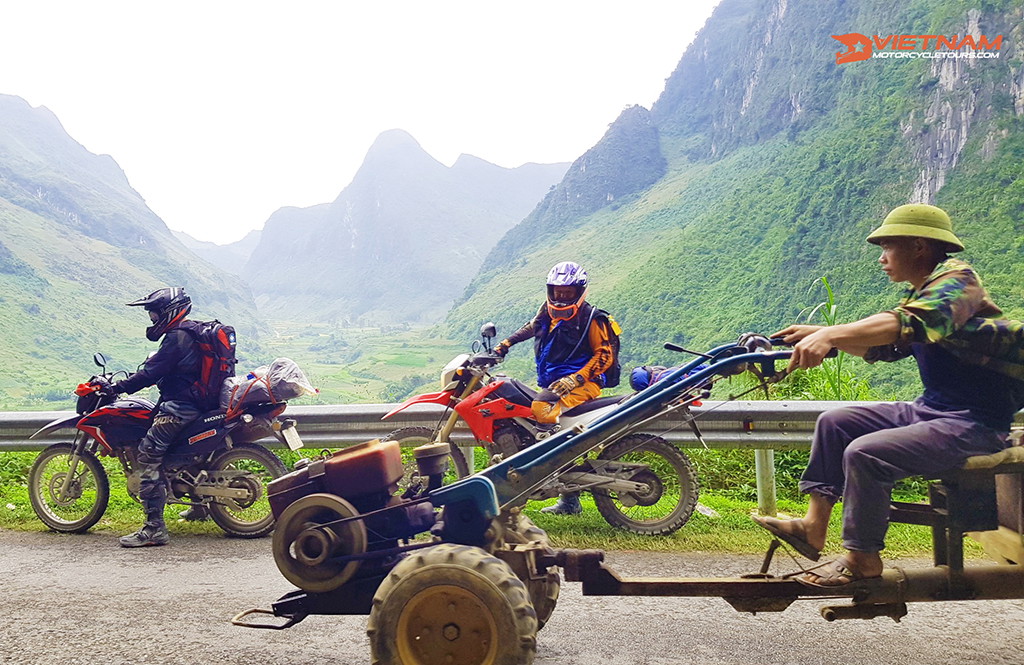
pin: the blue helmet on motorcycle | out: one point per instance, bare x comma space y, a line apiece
167, 308
567, 287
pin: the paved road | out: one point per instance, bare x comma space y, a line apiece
82, 600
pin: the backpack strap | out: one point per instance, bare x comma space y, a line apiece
586, 331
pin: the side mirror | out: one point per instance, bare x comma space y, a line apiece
100, 360
488, 330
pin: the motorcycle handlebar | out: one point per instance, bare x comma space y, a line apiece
486, 359
98, 384
84, 389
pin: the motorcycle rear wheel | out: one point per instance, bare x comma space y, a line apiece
410, 437
85, 498
673, 492
251, 517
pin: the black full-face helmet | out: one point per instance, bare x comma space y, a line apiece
167, 307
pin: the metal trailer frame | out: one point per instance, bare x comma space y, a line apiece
960, 502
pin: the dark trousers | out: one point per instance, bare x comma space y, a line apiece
170, 419
858, 453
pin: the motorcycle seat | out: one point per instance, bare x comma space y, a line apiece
516, 392
203, 423
594, 404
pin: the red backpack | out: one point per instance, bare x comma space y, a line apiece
216, 343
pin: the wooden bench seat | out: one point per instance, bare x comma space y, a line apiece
983, 499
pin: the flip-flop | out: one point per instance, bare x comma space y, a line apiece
833, 575
796, 542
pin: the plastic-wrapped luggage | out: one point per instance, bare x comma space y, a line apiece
280, 381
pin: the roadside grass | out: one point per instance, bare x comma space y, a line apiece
376, 365
728, 529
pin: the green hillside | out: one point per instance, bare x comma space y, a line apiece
779, 162
77, 243
759, 170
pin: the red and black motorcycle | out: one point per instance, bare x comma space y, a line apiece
212, 463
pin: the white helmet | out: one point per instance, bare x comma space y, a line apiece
569, 280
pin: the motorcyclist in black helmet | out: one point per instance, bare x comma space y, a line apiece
174, 368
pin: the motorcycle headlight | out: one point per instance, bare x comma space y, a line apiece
448, 374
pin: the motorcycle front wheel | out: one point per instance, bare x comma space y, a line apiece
251, 516
672, 489
68, 492
410, 437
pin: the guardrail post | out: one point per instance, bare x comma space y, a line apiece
764, 465
467, 452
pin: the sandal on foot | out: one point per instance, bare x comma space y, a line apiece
832, 575
793, 540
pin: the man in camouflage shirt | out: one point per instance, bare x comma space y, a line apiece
970, 363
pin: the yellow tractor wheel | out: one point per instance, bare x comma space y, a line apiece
452, 604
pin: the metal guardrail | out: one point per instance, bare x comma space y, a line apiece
736, 424
764, 425
761, 426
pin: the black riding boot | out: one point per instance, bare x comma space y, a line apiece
197, 513
567, 504
153, 532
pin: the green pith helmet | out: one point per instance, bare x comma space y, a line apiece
918, 220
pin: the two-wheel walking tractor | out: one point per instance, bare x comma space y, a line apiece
457, 574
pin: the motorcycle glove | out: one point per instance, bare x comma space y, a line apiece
501, 348
566, 384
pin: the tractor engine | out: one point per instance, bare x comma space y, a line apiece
331, 518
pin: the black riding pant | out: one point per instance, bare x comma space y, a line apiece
170, 419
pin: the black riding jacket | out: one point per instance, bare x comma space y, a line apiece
174, 368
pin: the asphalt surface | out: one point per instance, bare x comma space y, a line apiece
82, 600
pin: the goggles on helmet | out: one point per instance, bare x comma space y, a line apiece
564, 301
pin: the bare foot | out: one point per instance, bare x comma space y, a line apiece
793, 533
798, 529
853, 567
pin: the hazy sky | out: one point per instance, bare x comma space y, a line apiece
221, 112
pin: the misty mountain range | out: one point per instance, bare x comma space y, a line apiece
758, 171
231, 257
398, 245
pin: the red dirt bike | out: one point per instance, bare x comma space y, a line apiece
640, 483
211, 464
